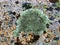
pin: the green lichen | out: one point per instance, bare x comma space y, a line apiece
31, 20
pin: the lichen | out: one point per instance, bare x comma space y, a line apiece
31, 20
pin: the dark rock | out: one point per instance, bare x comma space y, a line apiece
59, 21
54, 1
50, 8
44, 32
26, 5
13, 13
17, 2
58, 8
52, 18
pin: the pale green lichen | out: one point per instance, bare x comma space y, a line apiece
31, 20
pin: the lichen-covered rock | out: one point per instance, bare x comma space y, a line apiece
31, 20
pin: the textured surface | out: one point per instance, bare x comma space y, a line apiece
10, 11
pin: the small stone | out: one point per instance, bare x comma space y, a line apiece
17, 2
11, 41
50, 8
51, 18
10, 12
13, 13
4, 5
59, 21
44, 32
54, 4
26, 5
58, 8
